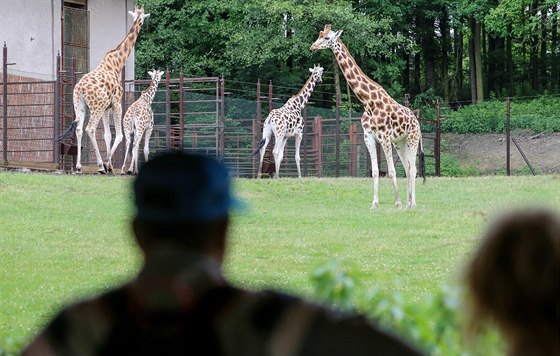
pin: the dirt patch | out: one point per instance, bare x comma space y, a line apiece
487, 152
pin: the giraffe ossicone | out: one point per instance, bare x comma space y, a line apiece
384, 120
286, 122
138, 123
101, 91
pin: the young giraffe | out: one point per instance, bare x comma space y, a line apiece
287, 122
384, 120
101, 91
139, 120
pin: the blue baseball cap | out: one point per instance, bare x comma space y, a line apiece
179, 187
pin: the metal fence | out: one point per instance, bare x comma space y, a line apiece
210, 115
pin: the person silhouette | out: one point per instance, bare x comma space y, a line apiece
180, 302
513, 281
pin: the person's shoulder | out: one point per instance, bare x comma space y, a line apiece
288, 323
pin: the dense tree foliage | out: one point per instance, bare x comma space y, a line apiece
459, 50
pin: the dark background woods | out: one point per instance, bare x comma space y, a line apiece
461, 51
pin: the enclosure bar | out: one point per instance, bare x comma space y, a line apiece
337, 134
222, 117
257, 125
270, 93
524, 157
508, 137
57, 110
437, 142
167, 110
181, 110
217, 139
5, 65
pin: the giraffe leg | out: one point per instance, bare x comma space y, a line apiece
388, 150
127, 127
139, 132
402, 151
410, 156
117, 119
278, 152
91, 127
267, 135
298, 138
147, 136
106, 137
370, 144
80, 110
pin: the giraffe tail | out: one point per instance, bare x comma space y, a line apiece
258, 150
69, 131
422, 166
131, 141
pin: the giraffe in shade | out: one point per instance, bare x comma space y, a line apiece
287, 122
101, 91
384, 120
138, 122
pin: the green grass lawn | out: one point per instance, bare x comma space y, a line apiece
64, 237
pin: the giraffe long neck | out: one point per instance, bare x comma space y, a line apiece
115, 59
360, 83
301, 98
148, 94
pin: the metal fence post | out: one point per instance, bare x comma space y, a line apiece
317, 144
5, 104
222, 117
181, 109
508, 137
437, 143
167, 110
337, 134
57, 110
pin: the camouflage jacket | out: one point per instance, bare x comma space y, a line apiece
181, 304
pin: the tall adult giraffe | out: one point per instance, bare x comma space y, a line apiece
287, 122
138, 122
384, 120
101, 91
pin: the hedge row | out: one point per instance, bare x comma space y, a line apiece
538, 115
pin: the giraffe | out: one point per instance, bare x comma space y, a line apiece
100, 90
139, 120
287, 122
384, 120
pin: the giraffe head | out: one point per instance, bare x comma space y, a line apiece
138, 14
317, 73
156, 74
327, 38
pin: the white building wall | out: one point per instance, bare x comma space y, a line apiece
109, 24
31, 31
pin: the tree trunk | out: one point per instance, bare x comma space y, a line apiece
509, 63
478, 62
445, 50
457, 78
554, 72
544, 56
406, 71
475, 57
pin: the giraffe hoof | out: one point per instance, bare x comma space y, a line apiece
398, 204
374, 205
129, 173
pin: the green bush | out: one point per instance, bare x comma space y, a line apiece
538, 115
434, 325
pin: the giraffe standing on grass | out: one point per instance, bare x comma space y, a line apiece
287, 122
101, 91
139, 121
384, 120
